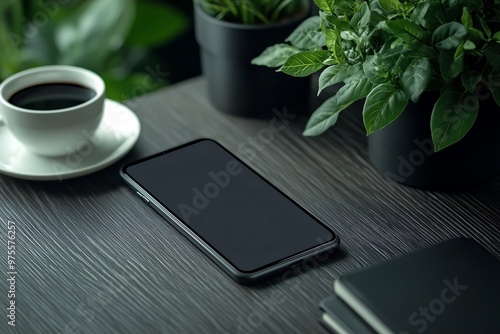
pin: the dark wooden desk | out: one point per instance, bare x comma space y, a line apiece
93, 258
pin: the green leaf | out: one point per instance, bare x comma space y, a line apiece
390, 6
382, 106
466, 18
486, 29
469, 45
407, 8
334, 74
361, 18
433, 17
344, 7
330, 61
332, 22
305, 63
324, 117
375, 70
470, 80
454, 11
406, 30
401, 64
275, 56
396, 47
376, 18
425, 51
331, 37
324, 5
156, 24
452, 117
308, 35
451, 65
418, 14
349, 35
92, 34
477, 36
332, 41
354, 90
416, 78
459, 52
449, 35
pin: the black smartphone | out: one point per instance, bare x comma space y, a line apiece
241, 221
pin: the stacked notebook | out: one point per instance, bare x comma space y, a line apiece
453, 287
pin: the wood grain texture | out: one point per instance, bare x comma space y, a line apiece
93, 258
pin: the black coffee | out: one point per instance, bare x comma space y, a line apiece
52, 96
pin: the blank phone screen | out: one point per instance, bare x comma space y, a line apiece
239, 214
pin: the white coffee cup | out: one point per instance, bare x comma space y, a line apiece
53, 132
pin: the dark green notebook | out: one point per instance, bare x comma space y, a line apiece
453, 287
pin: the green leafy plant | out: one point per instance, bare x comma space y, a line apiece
251, 11
111, 37
389, 52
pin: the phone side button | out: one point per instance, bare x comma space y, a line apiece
143, 197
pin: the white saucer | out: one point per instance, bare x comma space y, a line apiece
115, 137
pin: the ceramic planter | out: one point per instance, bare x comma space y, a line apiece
403, 150
235, 86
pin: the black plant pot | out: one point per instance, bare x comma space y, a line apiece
403, 150
235, 86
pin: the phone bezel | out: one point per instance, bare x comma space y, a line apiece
211, 252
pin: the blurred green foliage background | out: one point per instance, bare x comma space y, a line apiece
123, 40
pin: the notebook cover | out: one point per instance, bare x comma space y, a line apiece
338, 317
453, 287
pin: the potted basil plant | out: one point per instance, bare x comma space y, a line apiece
233, 32
429, 74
